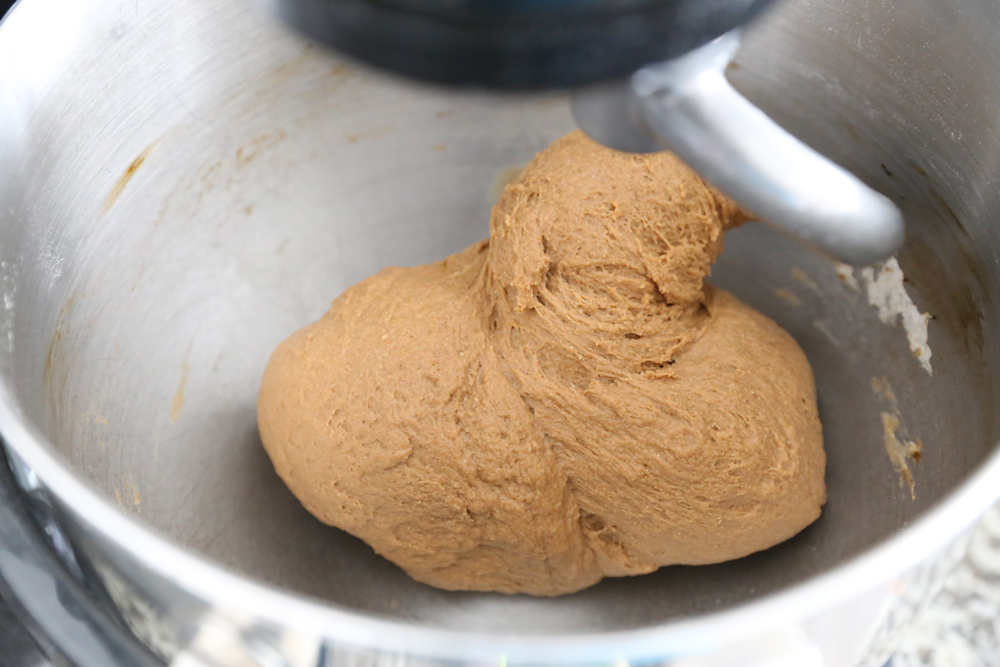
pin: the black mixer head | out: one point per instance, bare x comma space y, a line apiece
515, 44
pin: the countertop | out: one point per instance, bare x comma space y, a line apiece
961, 628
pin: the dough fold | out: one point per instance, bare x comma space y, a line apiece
566, 401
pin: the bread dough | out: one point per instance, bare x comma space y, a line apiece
566, 401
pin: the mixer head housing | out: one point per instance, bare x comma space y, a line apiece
515, 44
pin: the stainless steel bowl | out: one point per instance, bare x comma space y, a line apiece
185, 183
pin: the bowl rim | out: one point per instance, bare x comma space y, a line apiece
223, 589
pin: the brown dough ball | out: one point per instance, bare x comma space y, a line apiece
564, 402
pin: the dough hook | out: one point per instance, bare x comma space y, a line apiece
688, 106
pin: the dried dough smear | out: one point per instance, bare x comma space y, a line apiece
566, 401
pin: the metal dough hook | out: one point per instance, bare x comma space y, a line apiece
688, 106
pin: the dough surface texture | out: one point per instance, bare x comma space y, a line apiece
566, 401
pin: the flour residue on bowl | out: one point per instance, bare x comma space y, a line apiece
178, 400
898, 450
123, 180
800, 276
885, 286
845, 272
788, 296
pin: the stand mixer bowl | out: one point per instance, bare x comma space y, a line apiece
184, 184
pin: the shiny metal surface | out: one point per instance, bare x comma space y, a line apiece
184, 184
64, 608
688, 106
15, 642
